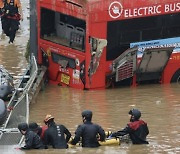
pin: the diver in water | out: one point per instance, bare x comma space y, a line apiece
88, 131
56, 135
137, 128
32, 140
38, 129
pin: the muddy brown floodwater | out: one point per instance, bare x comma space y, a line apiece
159, 104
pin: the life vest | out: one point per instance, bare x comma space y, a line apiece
13, 9
10, 9
136, 124
43, 130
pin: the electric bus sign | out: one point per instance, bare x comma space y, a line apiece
116, 10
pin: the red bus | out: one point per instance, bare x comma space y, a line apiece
92, 44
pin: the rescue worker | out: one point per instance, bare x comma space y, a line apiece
35, 128
55, 134
137, 129
11, 14
38, 129
88, 131
32, 140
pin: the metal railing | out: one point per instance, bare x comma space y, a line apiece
4, 76
20, 103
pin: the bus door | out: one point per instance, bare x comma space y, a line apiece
124, 66
153, 63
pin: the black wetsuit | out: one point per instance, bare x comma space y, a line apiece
137, 130
10, 19
89, 131
32, 141
54, 136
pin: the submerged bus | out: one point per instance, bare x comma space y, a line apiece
93, 44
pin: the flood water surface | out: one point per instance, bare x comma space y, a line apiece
159, 104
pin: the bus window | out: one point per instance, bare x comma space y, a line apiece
172, 24
63, 29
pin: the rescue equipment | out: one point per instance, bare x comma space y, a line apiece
112, 141
107, 142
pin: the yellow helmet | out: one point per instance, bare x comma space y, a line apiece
47, 118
